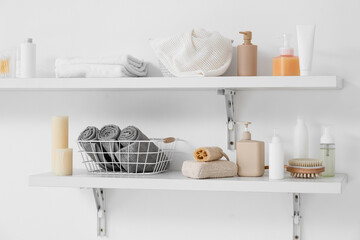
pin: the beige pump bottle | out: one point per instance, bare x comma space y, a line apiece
250, 156
247, 56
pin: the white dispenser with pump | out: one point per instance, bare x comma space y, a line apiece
276, 158
301, 140
327, 153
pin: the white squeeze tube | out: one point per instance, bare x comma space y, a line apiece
305, 35
276, 158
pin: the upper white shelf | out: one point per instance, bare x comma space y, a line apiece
191, 83
174, 180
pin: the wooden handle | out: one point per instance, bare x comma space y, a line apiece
169, 140
306, 170
267, 167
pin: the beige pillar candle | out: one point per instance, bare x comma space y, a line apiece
60, 136
63, 161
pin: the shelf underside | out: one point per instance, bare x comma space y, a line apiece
159, 83
174, 180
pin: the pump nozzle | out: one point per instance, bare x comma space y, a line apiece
326, 138
286, 40
246, 134
247, 37
244, 123
286, 49
275, 138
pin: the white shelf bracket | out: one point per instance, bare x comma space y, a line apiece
296, 217
100, 211
229, 105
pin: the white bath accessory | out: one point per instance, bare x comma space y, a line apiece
110, 66
301, 140
305, 35
276, 158
194, 53
28, 59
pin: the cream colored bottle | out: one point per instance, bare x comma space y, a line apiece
247, 56
250, 156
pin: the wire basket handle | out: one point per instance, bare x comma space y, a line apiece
169, 140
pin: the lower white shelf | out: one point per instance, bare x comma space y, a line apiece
174, 180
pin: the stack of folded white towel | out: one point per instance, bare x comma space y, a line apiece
111, 67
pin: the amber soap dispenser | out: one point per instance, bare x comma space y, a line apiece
250, 155
247, 56
286, 64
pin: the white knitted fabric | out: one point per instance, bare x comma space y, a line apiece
194, 53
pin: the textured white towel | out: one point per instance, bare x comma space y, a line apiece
90, 71
194, 53
113, 66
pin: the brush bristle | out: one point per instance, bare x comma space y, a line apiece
305, 175
305, 162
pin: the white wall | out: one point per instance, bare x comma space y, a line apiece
92, 28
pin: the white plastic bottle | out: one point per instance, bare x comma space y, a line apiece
327, 153
276, 158
28, 59
301, 140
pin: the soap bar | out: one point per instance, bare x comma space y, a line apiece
213, 169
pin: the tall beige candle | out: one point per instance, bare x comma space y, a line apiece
63, 161
60, 136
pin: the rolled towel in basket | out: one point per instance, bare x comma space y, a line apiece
207, 154
94, 149
139, 157
108, 135
89, 134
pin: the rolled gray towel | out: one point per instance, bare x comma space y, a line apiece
138, 152
93, 149
110, 133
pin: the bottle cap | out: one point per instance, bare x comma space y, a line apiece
247, 37
28, 40
327, 138
300, 120
275, 138
286, 49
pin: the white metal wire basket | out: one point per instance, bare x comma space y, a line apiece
127, 157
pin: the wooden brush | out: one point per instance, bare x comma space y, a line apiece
305, 167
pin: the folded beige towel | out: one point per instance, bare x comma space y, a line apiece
214, 169
206, 154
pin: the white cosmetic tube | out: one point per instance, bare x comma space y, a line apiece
305, 36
